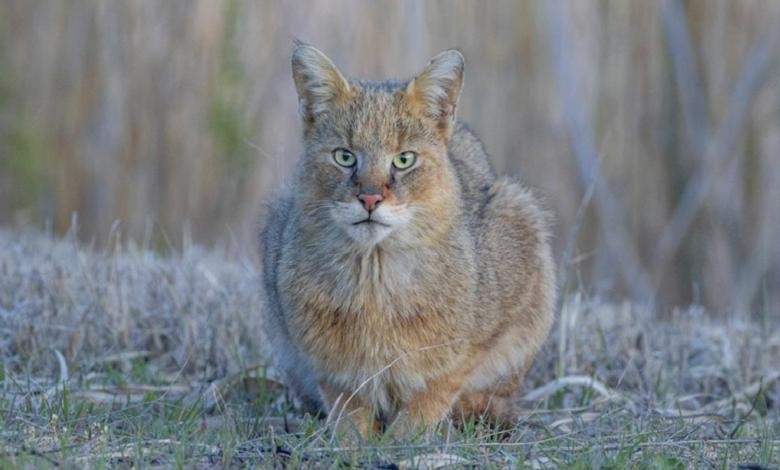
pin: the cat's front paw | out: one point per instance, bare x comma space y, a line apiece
406, 428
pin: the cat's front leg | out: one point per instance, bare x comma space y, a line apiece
427, 408
348, 411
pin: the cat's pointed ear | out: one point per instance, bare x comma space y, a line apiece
435, 91
317, 80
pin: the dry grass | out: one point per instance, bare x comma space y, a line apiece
125, 357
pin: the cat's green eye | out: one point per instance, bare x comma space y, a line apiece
344, 157
404, 160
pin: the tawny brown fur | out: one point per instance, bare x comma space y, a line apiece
438, 308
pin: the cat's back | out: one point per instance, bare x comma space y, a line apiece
272, 237
475, 173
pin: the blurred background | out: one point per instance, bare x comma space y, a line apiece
651, 128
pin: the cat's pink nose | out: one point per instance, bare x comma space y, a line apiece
370, 200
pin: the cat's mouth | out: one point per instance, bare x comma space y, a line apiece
369, 221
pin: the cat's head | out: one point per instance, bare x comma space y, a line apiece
375, 159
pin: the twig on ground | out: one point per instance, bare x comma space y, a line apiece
574, 380
746, 394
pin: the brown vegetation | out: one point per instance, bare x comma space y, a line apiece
180, 113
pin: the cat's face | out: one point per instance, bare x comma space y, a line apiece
375, 162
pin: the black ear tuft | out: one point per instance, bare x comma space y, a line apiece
436, 90
317, 80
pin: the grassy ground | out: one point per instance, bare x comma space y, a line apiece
123, 357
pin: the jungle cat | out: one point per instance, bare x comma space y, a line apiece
403, 279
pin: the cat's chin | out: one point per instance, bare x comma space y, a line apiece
368, 233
